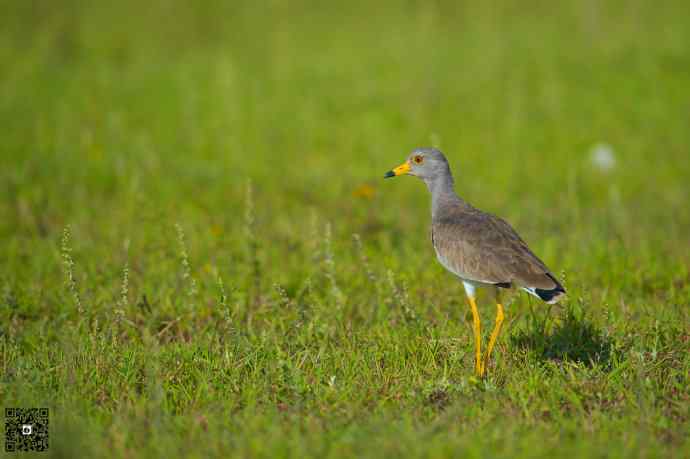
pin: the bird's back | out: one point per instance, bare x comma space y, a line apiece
480, 247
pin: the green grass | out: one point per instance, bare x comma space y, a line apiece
254, 324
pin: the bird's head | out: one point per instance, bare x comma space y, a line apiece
425, 163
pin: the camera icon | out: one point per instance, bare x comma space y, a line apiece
27, 429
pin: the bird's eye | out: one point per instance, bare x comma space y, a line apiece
418, 159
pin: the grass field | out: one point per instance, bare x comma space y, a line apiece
199, 256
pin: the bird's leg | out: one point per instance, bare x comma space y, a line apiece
497, 328
476, 327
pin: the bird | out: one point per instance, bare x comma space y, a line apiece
481, 249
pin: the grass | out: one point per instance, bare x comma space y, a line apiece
200, 259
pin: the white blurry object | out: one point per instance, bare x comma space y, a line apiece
602, 157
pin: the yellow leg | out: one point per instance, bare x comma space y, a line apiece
496, 331
477, 327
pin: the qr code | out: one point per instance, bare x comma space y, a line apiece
26, 429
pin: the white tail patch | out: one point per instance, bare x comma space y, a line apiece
530, 290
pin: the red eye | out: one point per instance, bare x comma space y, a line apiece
418, 159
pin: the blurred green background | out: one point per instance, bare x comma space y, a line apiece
259, 326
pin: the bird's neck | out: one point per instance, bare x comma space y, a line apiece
442, 192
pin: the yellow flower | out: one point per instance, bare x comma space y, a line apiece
365, 191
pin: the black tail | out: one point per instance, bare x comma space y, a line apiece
552, 295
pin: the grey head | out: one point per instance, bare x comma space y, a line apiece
430, 165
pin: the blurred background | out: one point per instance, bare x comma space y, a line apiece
569, 119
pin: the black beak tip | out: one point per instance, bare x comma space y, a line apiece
389, 174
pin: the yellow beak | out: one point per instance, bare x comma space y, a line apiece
402, 169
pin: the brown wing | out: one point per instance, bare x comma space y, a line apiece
484, 248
